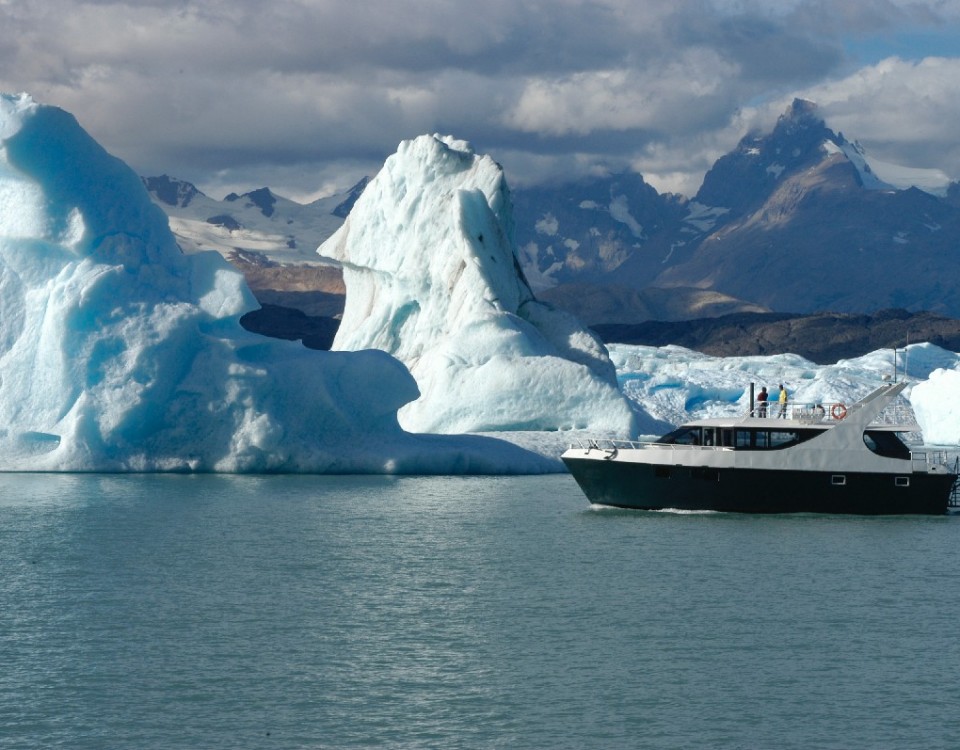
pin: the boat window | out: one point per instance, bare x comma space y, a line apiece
755, 439
741, 438
886, 444
682, 436
901, 481
838, 479
783, 439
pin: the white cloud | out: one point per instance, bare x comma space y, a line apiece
904, 112
199, 88
621, 99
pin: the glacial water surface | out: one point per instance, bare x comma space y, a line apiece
164, 612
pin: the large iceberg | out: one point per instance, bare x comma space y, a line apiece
433, 278
936, 402
119, 353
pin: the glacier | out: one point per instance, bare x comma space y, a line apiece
120, 353
433, 278
675, 384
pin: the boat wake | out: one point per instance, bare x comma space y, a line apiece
671, 511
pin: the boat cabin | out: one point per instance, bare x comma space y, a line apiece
743, 437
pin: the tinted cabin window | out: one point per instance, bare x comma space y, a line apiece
743, 438
683, 436
886, 444
772, 439
782, 439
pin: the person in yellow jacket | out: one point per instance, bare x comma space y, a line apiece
783, 402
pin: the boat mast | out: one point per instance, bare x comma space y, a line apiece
906, 352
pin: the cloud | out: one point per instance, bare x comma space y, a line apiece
905, 110
211, 91
679, 92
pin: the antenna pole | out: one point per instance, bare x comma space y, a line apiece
905, 354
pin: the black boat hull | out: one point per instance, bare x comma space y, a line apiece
650, 487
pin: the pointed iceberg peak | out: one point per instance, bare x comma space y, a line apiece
433, 278
442, 218
48, 197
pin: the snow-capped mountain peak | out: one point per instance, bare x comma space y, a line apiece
171, 192
262, 198
857, 156
259, 221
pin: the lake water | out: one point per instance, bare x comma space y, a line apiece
358, 612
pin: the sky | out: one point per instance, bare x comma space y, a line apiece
307, 96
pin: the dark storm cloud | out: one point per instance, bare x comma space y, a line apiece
210, 87
767, 51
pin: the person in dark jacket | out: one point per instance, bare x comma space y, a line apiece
762, 402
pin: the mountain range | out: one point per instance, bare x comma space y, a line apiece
794, 220
791, 221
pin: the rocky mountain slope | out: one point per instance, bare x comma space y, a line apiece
791, 221
824, 338
809, 229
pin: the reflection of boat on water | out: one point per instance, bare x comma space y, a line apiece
827, 458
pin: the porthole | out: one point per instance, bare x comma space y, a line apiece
838, 479
902, 481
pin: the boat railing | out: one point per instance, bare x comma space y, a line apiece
897, 412
609, 445
954, 501
827, 412
924, 458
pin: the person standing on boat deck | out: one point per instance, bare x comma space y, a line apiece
783, 402
762, 402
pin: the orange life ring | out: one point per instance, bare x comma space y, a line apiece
838, 411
